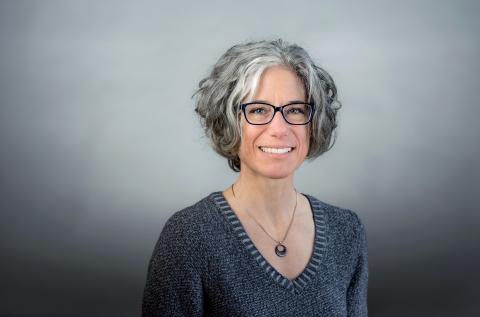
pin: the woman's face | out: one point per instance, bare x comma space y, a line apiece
278, 86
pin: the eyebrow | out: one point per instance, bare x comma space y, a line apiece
291, 101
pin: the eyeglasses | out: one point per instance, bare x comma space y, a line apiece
259, 112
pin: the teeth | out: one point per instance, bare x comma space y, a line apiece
276, 151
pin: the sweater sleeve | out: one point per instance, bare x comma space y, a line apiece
357, 290
174, 285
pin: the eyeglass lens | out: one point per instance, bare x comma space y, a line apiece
293, 113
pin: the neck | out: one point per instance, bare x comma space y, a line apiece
270, 201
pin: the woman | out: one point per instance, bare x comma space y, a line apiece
260, 248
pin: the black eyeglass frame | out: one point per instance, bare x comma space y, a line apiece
243, 106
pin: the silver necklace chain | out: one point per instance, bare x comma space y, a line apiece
280, 248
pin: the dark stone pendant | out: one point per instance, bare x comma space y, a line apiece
281, 250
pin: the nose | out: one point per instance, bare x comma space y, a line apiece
278, 126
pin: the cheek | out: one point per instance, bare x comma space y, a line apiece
247, 143
305, 139
249, 136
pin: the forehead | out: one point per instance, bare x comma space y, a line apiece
279, 83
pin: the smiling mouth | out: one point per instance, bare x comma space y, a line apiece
276, 150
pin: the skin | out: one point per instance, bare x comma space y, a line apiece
264, 189
265, 186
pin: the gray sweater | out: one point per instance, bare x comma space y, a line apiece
204, 264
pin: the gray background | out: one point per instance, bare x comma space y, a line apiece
99, 143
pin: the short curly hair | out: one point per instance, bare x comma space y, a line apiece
236, 75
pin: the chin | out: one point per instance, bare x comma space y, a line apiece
278, 173
278, 176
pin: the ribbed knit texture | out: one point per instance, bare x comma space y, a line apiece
204, 264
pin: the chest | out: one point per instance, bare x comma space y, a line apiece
299, 243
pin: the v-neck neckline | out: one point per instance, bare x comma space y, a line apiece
296, 285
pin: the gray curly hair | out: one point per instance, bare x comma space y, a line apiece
235, 76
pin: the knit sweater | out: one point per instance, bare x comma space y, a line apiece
204, 264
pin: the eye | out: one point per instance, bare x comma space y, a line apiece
296, 110
256, 110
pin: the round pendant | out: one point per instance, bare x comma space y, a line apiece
281, 250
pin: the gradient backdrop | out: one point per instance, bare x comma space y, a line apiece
99, 143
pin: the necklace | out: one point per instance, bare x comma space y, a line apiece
280, 248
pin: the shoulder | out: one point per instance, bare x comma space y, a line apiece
193, 228
344, 225
340, 216
188, 224
184, 238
